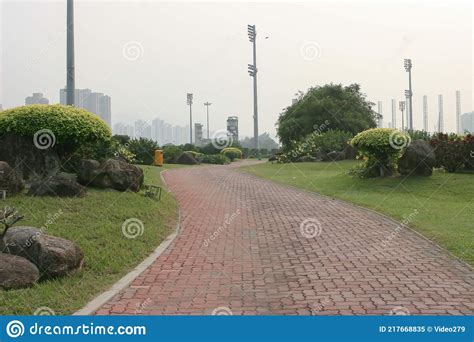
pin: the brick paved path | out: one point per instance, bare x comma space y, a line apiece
241, 248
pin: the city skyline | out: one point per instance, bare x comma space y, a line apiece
148, 75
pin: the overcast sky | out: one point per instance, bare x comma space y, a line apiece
203, 48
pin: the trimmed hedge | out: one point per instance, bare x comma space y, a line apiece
381, 149
215, 159
72, 127
232, 153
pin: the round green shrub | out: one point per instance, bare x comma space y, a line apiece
232, 153
380, 148
72, 127
171, 153
215, 159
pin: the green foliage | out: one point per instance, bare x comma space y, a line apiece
121, 139
333, 106
381, 149
265, 141
215, 159
72, 127
171, 153
143, 149
232, 153
419, 135
314, 143
189, 147
453, 152
210, 149
196, 155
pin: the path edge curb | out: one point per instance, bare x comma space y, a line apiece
95, 304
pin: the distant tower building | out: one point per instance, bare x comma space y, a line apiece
394, 113
1, 107
233, 127
379, 111
467, 122
37, 98
197, 133
441, 114
425, 113
458, 112
96, 103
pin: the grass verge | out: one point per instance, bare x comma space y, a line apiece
440, 207
94, 222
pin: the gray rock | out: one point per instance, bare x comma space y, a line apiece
350, 152
57, 186
418, 159
186, 159
21, 154
113, 173
10, 179
335, 156
54, 256
16, 272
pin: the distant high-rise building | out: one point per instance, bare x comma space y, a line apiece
123, 129
37, 98
425, 113
458, 112
142, 129
233, 127
394, 114
440, 114
197, 133
96, 103
1, 107
467, 122
379, 111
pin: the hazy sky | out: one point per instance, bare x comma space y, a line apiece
203, 48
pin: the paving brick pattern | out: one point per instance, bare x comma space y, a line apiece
241, 248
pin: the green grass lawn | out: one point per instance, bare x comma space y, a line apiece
94, 222
444, 202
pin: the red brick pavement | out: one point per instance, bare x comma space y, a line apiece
241, 248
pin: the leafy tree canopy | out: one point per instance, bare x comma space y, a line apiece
332, 106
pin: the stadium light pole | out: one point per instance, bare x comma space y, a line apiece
189, 102
70, 72
408, 66
252, 70
401, 106
207, 104
408, 113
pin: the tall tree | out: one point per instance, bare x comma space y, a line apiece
332, 106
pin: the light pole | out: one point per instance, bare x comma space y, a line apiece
408, 65
189, 102
70, 73
408, 101
252, 69
207, 104
401, 106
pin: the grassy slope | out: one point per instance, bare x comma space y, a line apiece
95, 224
444, 201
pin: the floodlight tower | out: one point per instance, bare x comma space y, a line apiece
189, 102
207, 104
440, 114
408, 66
407, 101
394, 113
458, 112
425, 113
70, 72
252, 70
401, 106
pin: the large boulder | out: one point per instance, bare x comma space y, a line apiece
26, 158
54, 256
16, 272
113, 173
10, 179
58, 186
418, 159
186, 158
